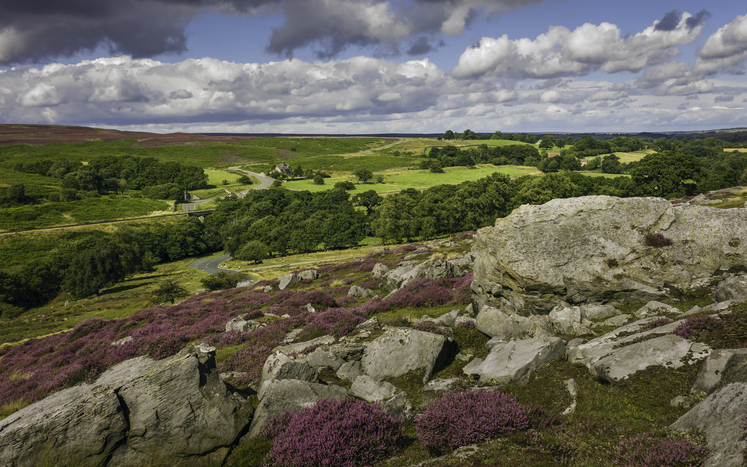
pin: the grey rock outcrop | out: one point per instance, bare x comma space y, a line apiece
360, 292
722, 367
288, 281
732, 288
668, 351
433, 268
655, 308
401, 350
241, 324
721, 415
366, 388
280, 366
591, 249
515, 360
379, 270
139, 410
309, 274
289, 395
568, 320
495, 323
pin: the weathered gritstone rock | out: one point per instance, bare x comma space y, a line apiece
289, 395
401, 350
301, 346
721, 416
655, 308
280, 366
360, 292
176, 409
309, 274
433, 269
241, 324
379, 270
669, 351
515, 360
732, 288
366, 388
495, 323
591, 249
288, 281
568, 320
598, 311
722, 367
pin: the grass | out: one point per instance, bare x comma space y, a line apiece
626, 157
397, 180
216, 187
81, 211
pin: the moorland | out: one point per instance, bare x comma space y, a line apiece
93, 234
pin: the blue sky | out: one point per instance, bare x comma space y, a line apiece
372, 66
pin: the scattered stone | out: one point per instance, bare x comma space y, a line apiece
241, 324
619, 320
495, 323
433, 268
515, 360
360, 292
401, 350
437, 388
268, 289
309, 274
469, 310
288, 281
246, 283
379, 270
309, 308
280, 366
366, 388
291, 336
122, 341
655, 308
380, 252
567, 320
721, 416
371, 324
598, 311
289, 395
399, 406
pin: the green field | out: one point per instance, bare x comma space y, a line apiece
397, 180
626, 157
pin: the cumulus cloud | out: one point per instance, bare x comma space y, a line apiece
725, 50
36, 30
562, 52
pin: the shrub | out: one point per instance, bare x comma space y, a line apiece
658, 322
649, 449
695, 325
656, 240
336, 433
462, 418
222, 280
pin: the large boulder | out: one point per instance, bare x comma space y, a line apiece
289, 395
401, 350
593, 249
280, 366
495, 323
722, 367
139, 410
515, 361
433, 269
288, 281
721, 416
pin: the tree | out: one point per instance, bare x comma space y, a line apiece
363, 175
548, 142
448, 134
666, 175
222, 280
318, 180
253, 251
611, 164
244, 180
345, 185
168, 291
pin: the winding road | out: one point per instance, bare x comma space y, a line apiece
265, 182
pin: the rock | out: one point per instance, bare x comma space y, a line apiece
464, 261
567, 320
301, 346
598, 311
360, 292
448, 319
591, 250
366, 388
667, 351
309, 274
732, 288
241, 324
437, 388
280, 366
380, 252
399, 406
619, 320
370, 324
433, 268
515, 360
379, 270
323, 357
722, 367
268, 289
573, 389
288, 281
349, 371
401, 350
721, 416
469, 310
495, 323
246, 283
465, 321
289, 395
122, 341
655, 308
309, 308
176, 408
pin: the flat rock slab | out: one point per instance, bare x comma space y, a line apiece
515, 360
722, 367
366, 388
401, 350
668, 351
280, 366
721, 415
289, 395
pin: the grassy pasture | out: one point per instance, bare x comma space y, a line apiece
626, 157
397, 180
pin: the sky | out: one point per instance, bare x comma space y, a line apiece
375, 66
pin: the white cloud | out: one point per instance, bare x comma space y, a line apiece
561, 52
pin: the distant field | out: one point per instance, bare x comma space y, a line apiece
735, 149
397, 180
215, 179
626, 157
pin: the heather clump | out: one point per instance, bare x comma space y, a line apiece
696, 326
423, 293
258, 346
656, 240
462, 418
335, 322
648, 449
658, 322
334, 433
427, 326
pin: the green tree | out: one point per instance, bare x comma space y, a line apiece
363, 175
548, 142
168, 291
253, 251
666, 175
244, 180
222, 280
318, 180
611, 164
